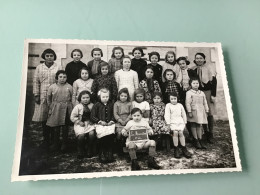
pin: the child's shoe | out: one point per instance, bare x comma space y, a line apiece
152, 163
102, 157
135, 166
202, 144
177, 152
197, 144
110, 157
185, 152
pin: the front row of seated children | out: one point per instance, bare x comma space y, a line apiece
104, 119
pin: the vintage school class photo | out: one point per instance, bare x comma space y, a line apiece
92, 109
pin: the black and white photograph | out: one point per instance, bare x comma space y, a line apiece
93, 109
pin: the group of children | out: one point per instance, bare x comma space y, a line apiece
105, 101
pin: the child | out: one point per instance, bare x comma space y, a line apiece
72, 69
116, 61
60, 106
139, 102
197, 108
132, 146
154, 58
105, 80
122, 114
83, 128
83, 83
170, 63
126, 78
138, 64
170, 86
44, 76
175, 117
102, 116
94, 64
149, 84
160, 129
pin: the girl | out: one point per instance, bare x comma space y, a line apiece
154, 58
44, 76
102, 116
83, 128
122, 109
94, 64
72, 69
197, 108
139, 102
116, 61
175, 117
83, 83
157, 121
208, 84
60, 106
105, 80
126, 78
170, 86
132, 146
149, 84
138, 64
170, 63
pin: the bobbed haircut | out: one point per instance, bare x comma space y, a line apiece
149, 67
134, 110
194, 79
117, 48
139, 91
96, 49
169, 70
139, 49
76, 50
154, 53
183, 58
174, 94
157, 93
200, 54
166, 57
48, 51
84, 92
103, 64
87, 69
124, 90
59, 72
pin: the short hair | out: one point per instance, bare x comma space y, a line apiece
157, 93
59, 72
169, 70
96, 49
154, 53
87, 69
200, 54
183, 58
174, 94
194, 79
149, 67
76, 50
117, 48
166, 56
139, 49
102, 64
49, 51
139, 91
134, 110
128, 57
103, 90
84, 92
124, 90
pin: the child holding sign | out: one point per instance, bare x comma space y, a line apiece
137, 131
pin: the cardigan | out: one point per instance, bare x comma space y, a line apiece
102, 112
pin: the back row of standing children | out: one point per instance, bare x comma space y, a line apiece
119, 73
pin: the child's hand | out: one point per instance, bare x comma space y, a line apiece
82, 124
37, 99
110, 123
125, 133
121, 121
150, 132
190, 114
103, 123
212, 99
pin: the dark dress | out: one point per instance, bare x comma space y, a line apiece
72, 70
94, 70
157, 72
177, 89
139, 65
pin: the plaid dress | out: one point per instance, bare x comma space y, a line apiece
44, 77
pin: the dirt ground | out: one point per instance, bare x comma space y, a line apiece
35, 160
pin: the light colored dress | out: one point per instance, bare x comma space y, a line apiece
196, 103
122, 111
175, 116
143, 106
127, 79
59, 99
43, 78
78, 86
176, 68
